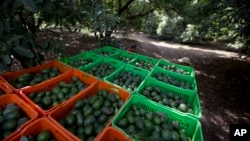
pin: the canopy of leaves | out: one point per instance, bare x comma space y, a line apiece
181, 20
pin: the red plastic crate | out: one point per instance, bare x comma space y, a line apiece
36, 69
29, 111
67, 77
5, 86
112, 134
64, 110
39, 125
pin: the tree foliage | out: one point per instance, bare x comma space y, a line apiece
21, 21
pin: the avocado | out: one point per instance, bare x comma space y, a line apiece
183, 137
148, 125
90, 119
90, 138
131, 119
175, 136
65, 90
183, 107
79, 118
107, 110
46, 101
14, 114
139, 125
176, 125
9, 124
24, 138
131, 129
89, 130
80, 130
102, 119
56, 90
22, 120
45, 135
70, 120
99, 128
79, 104
166, 135
98, 103
123, 122
87, 111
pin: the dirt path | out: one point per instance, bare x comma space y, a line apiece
223, 80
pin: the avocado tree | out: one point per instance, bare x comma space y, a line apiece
22, 20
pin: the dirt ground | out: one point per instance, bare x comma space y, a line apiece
223, 78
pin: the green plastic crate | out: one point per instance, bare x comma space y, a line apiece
116, 64
145, 62
128, 68
81, 56
190, 97
191, 125
177, 77
125, 56
176, 68
106, 51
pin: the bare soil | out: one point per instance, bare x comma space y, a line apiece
223, 78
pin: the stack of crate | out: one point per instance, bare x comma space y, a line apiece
89, 69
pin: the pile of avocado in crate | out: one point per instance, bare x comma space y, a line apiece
143, 120
145, 62
128, 80
144, 125
80, 62
58, 94
156, 94
176, 68
185, 102
125, 56
106, 51
27, 78
11, 118
91, 115
172, 80
101, 70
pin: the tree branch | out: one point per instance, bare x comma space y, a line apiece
139, 15
119, 4
123, 8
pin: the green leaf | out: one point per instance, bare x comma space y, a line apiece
24, 52
6, 59
30, 5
